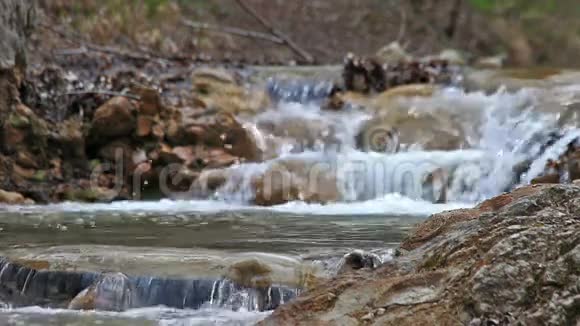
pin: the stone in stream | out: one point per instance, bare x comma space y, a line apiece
358, 259
513, 259
21, 285
218, 89
12, 198
370, 74
395, 128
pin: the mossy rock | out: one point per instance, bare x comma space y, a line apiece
18, 121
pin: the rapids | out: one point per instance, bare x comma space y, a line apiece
378, 198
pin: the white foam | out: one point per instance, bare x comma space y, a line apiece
389, 205
160, 315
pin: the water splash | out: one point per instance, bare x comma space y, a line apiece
299, 90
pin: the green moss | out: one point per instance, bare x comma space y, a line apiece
433, 262
40, 176
93, 164
18, 121
532, 73
82, 195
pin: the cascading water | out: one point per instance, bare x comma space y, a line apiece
503, 130
375, 197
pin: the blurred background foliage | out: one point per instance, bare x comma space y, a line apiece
531, 32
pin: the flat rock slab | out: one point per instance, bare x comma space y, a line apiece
513, 258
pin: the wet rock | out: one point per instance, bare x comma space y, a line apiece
209, 181
366, 75
378, 137
453, 57
144, 126
250, 273
294, 180
30, 283
23, 129
299, 132
276, 186
218, 158
150, 101
113, 292
565, 168
495, 62
12, 198
119, 151
26, 160
23, 172
220, 131
218, 89
398, 127
393, 53
550, 178
115, 118
435, 186
358, 259
85, 193
69, 138
510, 260
363, 74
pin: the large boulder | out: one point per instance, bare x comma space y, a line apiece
295, 180
222, 130
400, 127
514, 259
115, 118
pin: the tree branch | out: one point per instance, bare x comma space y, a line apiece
286, 40
233, 31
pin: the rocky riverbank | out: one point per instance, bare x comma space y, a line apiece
513, 259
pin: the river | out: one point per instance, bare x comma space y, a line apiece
382, 196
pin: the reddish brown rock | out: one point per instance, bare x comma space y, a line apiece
56, 169
117, 150
185, 154
144, 171
13, 136
209, 181
115, 118
68, 136
158, 131
144, 126
219, 158
26, 160
550, 178
24, 129
510, 260
150, 101
23, 172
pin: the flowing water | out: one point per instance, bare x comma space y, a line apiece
380, 196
